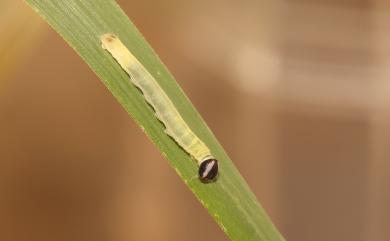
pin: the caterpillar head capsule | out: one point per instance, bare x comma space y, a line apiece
208, 170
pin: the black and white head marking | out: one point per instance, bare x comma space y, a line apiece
208, 170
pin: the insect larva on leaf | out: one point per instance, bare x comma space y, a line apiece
165, 111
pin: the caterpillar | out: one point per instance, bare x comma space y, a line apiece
164, 109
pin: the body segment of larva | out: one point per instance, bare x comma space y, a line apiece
165, 111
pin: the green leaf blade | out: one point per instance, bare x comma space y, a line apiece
229, 200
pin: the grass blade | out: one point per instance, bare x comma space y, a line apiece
229, 200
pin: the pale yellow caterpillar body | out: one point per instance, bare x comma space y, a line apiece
164, 109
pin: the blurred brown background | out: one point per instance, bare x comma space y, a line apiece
300, 96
